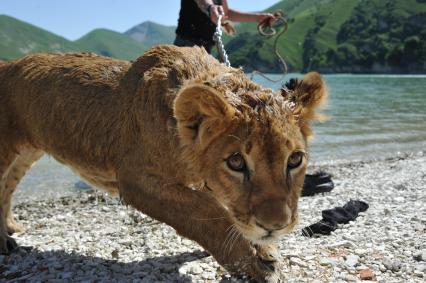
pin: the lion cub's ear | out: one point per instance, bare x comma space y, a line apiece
201, 113
307, 94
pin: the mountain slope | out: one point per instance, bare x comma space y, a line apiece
110, 43
380, 35
18, 38
316, 39
150, 33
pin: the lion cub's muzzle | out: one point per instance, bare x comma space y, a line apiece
270, 220
272, 215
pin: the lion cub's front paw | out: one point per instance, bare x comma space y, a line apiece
267, 252
13, 226
7, 244
267, 263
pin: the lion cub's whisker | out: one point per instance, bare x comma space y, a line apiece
236, 236
231, 230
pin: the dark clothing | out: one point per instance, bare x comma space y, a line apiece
179, 41
316, 183
337, 215
194, 26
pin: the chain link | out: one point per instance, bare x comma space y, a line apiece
263, 30
219, 44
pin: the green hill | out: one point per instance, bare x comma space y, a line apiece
110, 43
18, 38
358, 36
150, 34
340, 36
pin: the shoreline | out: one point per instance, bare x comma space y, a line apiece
81, 237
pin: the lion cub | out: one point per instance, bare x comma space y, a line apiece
178, 135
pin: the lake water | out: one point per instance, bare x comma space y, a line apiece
371, 116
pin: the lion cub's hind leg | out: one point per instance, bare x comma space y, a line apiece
18, 169
12, 168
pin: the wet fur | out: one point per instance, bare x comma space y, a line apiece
155, 131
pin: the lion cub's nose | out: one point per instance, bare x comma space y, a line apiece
270, 230
272, 215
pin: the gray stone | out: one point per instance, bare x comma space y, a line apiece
392, 265
208, 275
418, 273
345, 244
82, 238
420, 267
350, 278
328, 261
183, 270
195, 269
105, 209
298, 261
352, 260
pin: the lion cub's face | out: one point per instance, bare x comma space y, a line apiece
252, 158
256, 172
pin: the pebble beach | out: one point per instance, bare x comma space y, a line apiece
85, 236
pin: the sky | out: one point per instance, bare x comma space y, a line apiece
74, 18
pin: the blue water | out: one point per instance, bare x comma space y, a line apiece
371, 116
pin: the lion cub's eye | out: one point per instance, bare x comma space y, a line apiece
295, 159
236, 162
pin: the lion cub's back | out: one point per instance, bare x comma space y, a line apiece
50, 69
40, 86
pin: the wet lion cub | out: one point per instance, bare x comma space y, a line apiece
178, 135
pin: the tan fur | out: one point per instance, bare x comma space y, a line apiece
158, 132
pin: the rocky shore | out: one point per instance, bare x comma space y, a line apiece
93, 238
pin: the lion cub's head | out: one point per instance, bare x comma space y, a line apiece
249, 147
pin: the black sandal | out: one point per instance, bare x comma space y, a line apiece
316, 183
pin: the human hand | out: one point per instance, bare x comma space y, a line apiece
214, 11
266, 19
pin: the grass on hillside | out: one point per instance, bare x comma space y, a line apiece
18, 38
314, 25
112, 44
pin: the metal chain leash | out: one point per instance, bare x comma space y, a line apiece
219, 44
267, 31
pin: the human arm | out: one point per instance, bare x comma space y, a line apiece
238, 16
213, 11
